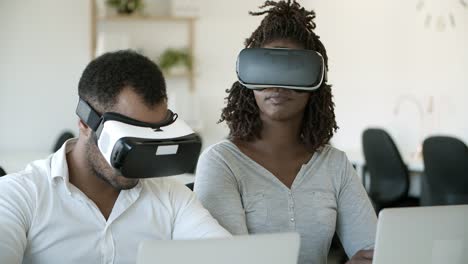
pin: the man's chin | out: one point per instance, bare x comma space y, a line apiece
126, 183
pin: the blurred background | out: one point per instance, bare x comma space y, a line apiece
400, 65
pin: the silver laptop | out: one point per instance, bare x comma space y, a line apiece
259, 249
426, 235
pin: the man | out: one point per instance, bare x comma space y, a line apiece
73, 207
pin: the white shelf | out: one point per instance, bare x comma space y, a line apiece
189, 21
129, 18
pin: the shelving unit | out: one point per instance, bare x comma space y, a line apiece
128, 19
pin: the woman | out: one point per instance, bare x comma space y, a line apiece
276, 172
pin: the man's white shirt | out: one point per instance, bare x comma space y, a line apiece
46, 219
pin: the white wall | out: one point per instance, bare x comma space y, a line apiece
379, 51
43, 50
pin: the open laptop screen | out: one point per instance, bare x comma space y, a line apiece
430, 235
258, 249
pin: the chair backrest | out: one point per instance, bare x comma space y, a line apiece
64, 136
446, 170
190, 185
192, 171
389, 179
2, 172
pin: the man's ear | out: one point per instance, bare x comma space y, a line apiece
84, 128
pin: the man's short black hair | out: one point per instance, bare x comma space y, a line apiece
106, 76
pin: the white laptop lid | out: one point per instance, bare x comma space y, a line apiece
429, 235
259, 249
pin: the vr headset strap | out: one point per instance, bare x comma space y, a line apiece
88, 115
92, 119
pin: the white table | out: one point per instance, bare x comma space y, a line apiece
415, 166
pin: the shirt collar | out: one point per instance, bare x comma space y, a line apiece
59, 166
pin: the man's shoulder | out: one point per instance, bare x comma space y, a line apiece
24, 190
36, 175
166, 192
163, 185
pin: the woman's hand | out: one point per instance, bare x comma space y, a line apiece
362, 257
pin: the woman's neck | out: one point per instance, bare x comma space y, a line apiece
281, 136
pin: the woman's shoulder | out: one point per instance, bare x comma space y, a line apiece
330, 161
337, 164
225, 156
221, 150
328, 152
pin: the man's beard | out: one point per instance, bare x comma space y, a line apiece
99, 167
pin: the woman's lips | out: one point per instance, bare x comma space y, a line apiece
277, 98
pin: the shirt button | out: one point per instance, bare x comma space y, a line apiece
292, 219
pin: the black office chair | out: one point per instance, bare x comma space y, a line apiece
190, 185
2, 172
445, 171
389, 176
194, 168
66, 135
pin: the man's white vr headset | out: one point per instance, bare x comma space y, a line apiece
143, 150
259, 68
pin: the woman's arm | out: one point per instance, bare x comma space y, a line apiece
357, 221
217, 189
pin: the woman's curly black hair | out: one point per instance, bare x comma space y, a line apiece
284, 20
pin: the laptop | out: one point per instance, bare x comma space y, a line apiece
280, 248
429, 235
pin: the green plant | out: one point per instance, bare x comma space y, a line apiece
175, 57
125, 6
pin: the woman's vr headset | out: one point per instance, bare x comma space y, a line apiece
143, 150
259, 68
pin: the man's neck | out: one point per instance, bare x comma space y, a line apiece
82, 177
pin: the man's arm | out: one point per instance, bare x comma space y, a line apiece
192, 220
16, 211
